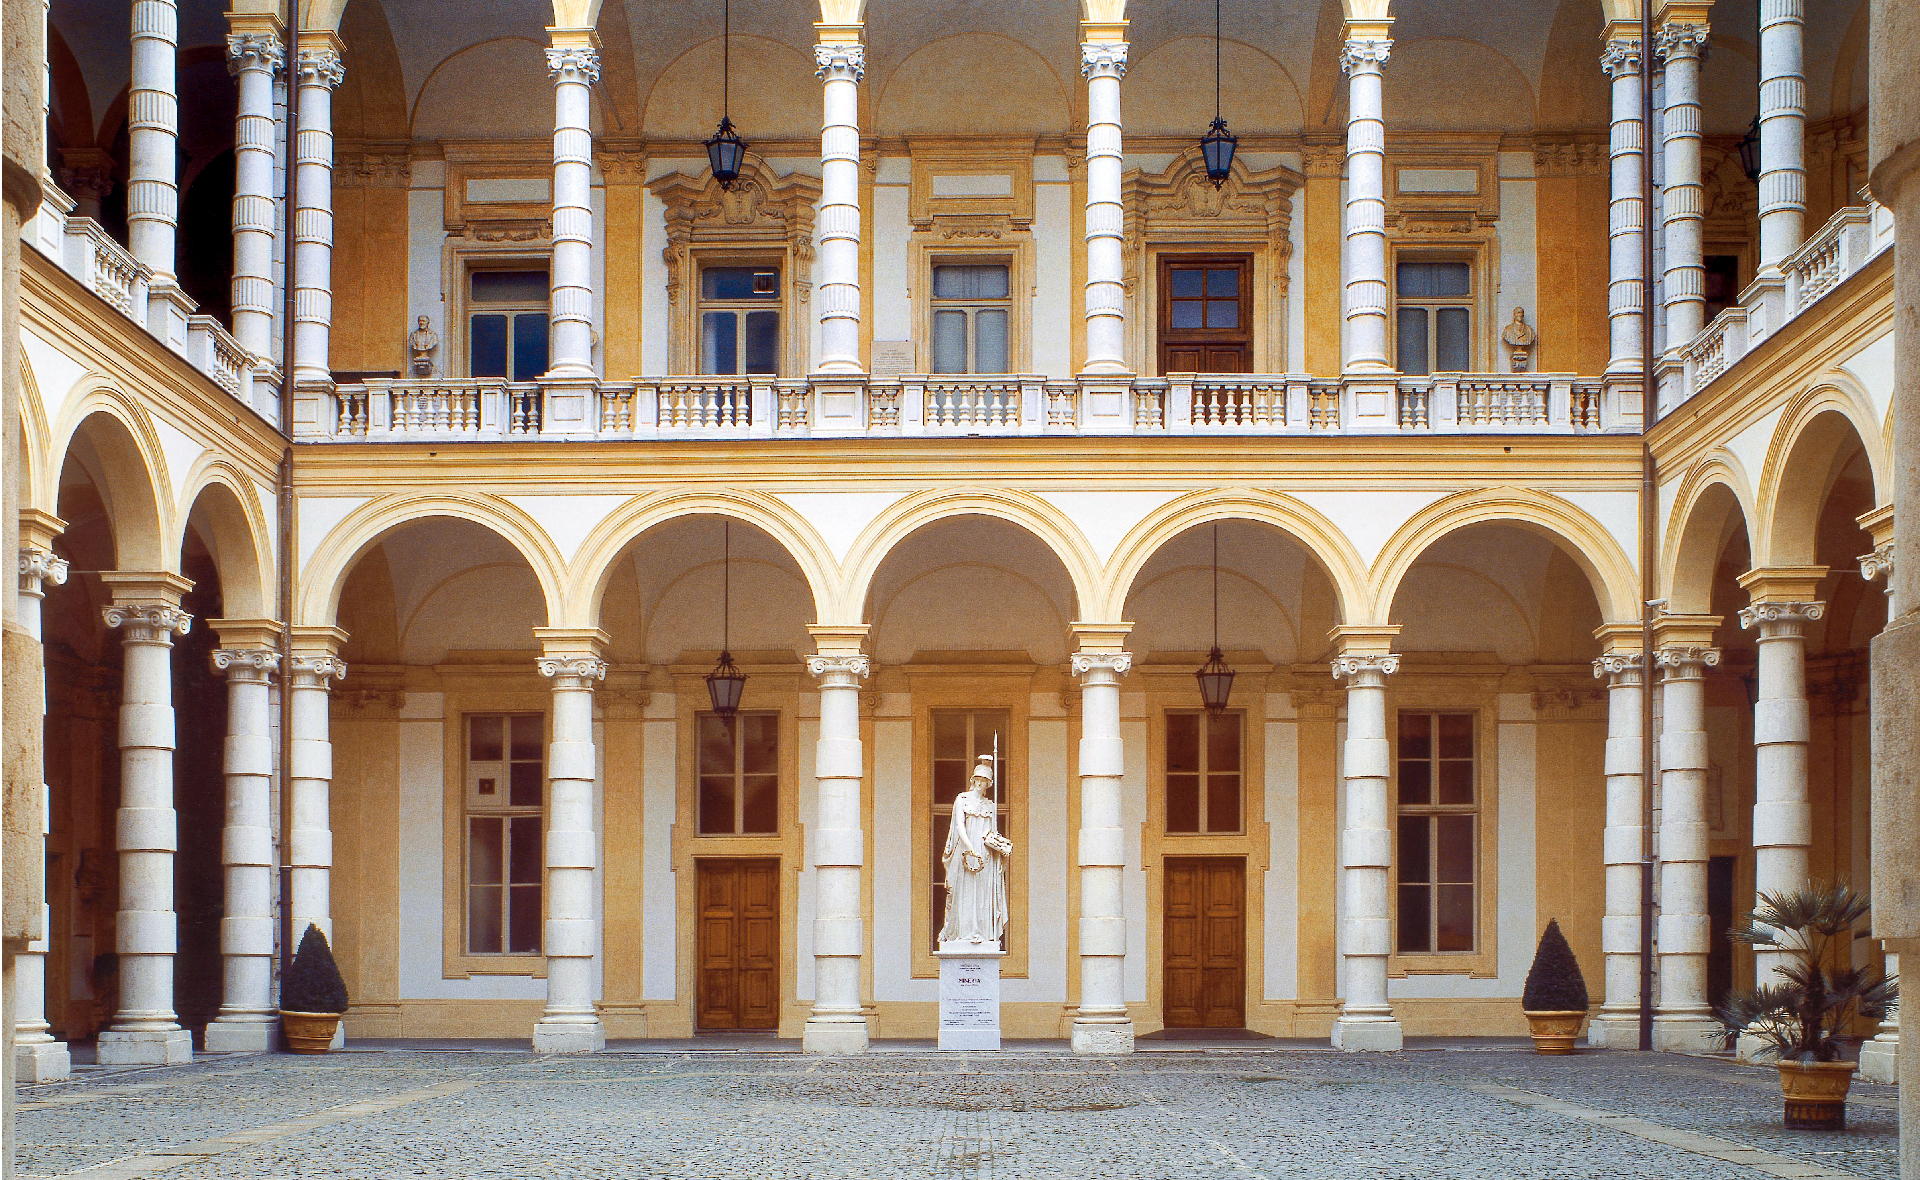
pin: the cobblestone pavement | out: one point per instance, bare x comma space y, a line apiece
1038, 1114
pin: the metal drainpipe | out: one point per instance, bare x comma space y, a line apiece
1649, 504
284, 595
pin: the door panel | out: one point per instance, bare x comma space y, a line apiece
1206, 313
1205, 943
739, 944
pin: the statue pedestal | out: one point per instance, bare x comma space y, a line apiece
969, 995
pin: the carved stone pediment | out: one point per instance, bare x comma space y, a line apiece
761, 208
1261, 202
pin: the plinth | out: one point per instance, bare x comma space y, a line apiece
969, 995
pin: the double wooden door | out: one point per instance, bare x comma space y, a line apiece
739, 943
1206, 314
1205, 945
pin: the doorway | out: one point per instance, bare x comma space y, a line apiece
738, 938
1206, 313
1719, 923
1205, 945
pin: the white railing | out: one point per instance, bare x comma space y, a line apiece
106, 268
470, 409
213, 350
1501, 403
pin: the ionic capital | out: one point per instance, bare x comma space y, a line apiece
38, 567
255, 51
1873, 566
1779, 620
148, 622
1621, 57
320, 67
1621, 667
578, 670
316, 670
849, 667
251, 664
840, 62
1347, 667
1357, 51
1686, 661
1680, 39
1116, 663
1103, 59
573, 63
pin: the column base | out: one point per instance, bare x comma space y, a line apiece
1880, 1061
1614, 1032
834, 1034
1698, 1035
1368, 1036
569, 1038
242, 1036
168, 1046
41, 1061
1096, 1038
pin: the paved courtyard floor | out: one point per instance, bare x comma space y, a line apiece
1261, 1109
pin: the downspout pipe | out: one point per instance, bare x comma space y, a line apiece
1649, 505
284, 593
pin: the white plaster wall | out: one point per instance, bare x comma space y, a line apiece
653, 278
809, 737
893, 887
426, 236
890, 300
1282, 934
1133, 811
660, 752
1296, 359
598, 278
1053, 301
1517, 238
1046, 852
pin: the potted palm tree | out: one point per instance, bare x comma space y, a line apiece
1806, 1017
1555, 999
313, 996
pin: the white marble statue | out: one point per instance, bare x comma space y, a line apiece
976, 860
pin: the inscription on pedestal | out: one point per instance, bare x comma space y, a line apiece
969, 998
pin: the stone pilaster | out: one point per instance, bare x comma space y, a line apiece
842, 63
1623, 667
318, 73
573, 61
37, 1057
838, 1023
1880, 1057
256, 58
570, 1024
248, 1021
1103, 62
1684, 1022
1366, 1021
1102, 1024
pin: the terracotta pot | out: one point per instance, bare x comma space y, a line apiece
1553, 1032
1816, 1094
308, 1032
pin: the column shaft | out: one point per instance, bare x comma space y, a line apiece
247, 1021
574, 69
838, 1023
841, 67
1626, 211
1683, 1022
255, 59
1617, 1026
1102, 1024
153, 137
1103, 64
1684, 281
1366, 1020
1365, 259
319, 72
37, 1057
310, 816
570, 1023
1782, 814
1783, 124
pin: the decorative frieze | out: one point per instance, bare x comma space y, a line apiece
1570, 158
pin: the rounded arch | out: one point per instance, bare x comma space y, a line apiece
1320, 537
1023, 509
324, 574
1162, 103
33, 439
592, 567
1713, 499
1025, 93
132, 473
681, 103
1577, 534
1812, 432
235, 529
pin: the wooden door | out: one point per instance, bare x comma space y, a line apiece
1205, 945
739, 943
1206, 313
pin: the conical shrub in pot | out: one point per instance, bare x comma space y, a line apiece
313, 996
1555, 999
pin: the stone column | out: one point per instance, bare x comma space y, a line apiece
153, 139
842, 63
315, 666
1366, 1020
1617, 1025
1680, 44
146, 611
248, 1021
1365, 266
1683, 1022
1102, 1024
37, 1057
1880, 1057
318, 72
838, 1023
1103, 62
574, 62
255, 57
570, 1023
1783, 125
1626, 220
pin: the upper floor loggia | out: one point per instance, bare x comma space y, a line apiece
997, 218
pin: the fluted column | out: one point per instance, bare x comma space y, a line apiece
247, 1022
838, 1023
146, 611
1366, 1020
1617, 1025
1365, 260
1626, 210
255, 58
1103, 63
574, 63
1102, 1024
842, 64
318, 72
153, 139
316, 664
570, 1023
1783, 127
37, 1057
1880, 1057
1681, 44
1683, 1022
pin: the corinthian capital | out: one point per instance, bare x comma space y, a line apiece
1364, 51
840, 62
38, 567
581, 63
1621, 56
1116, 662
1347, 667
855, 665
1103, 59
255, 51
1776, 619
320, 67
581, 667
1680, 39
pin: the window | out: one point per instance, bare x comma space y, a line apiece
1206, 314
739, 774
960, 736
506, 801
1203, 772
1720, 284
1438, 829
1433, 317
970, 309
739, 320
507, 324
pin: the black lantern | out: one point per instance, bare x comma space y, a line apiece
726, 682
1215, 677
1750, 150
1216, 146
726, 151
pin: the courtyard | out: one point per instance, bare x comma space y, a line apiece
748, 1108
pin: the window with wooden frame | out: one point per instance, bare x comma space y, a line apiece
1206, 313
1437, 854
960, 736
739, 774
1433, 316
1205, 765
507, 323
506, 814
972, 308
739, 318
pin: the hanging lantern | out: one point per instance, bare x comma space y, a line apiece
726, 682
726, 151
1216, 682
1750, 151
1216, 146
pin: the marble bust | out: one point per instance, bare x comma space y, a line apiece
420, 343
976, 862
1519, 337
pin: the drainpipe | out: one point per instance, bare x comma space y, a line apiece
1649, 504
284, 592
